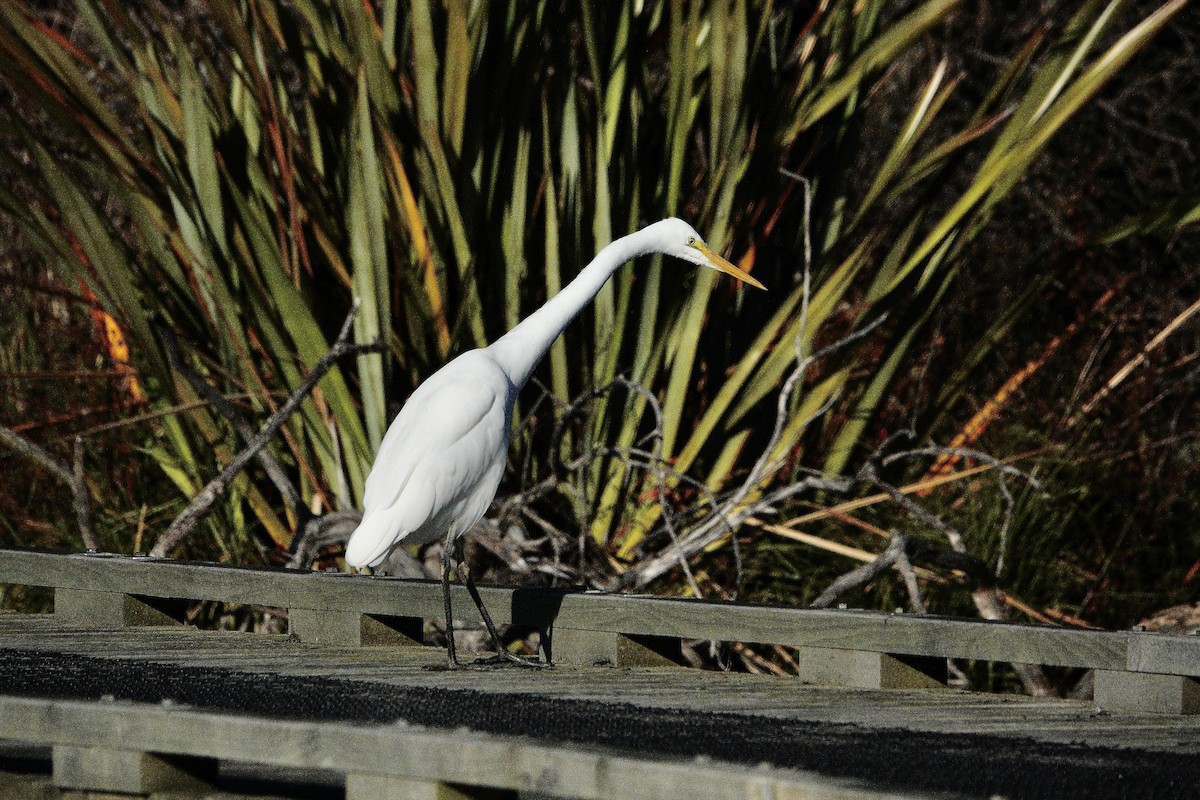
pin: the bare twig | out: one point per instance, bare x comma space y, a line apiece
1002, 472
80, 498
650, 460
327, 530
863, 575
807, 184
71, 475
274, 471
870, 473
1137, 360
986, 597
660, 475
217, 487
901, 551
1001, 466
905, 568
734, 510
580, 499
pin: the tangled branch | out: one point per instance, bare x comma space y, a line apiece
901, 552
986, 596
738, 506
71, 475
287, 489
216, 488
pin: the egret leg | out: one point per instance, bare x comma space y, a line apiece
502, 653
451, 654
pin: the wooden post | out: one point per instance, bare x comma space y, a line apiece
1131, 692
870, 670
102, 769
584, 647
352, 629
94, 609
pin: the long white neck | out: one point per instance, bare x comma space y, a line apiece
521, 349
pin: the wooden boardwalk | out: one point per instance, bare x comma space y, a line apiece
124, 704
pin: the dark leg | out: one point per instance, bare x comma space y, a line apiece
502, 653
451, 655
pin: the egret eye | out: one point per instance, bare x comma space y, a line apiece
691, 241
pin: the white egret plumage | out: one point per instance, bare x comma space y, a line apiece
441, 460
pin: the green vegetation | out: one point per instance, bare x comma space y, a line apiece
244, 169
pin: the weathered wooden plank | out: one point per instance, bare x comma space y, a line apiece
96, 768
840, 629
403, 751
337, 591
1164, 653
570, 646
92, 608
586, 611
693, 692
1142, 691
353, 628
869, 670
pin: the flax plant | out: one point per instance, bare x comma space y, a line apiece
243, 168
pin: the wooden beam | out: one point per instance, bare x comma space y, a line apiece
101, 609
867, 670
421, 755
105, 769
1130, 692
352, 629
384, 787
1163, 653
588, 648
344, 596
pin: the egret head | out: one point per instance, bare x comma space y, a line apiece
676, 238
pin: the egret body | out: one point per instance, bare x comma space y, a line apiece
441, 460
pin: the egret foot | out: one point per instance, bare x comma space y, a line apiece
505, 658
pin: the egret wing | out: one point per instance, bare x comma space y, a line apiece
436, 434
440, 461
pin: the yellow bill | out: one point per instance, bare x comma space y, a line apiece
721, 265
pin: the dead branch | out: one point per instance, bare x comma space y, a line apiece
649, 460
660, 476
901, 552
291, 496
204, 499
905, 568
327, 530
1136, 361
870, 473
735, 509
985, 596
894, 555
1002, 472
71, 475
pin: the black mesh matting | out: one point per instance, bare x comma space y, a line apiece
972, 764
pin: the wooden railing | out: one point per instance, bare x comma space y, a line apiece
1134, 670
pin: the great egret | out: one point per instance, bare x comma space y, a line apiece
443, 456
